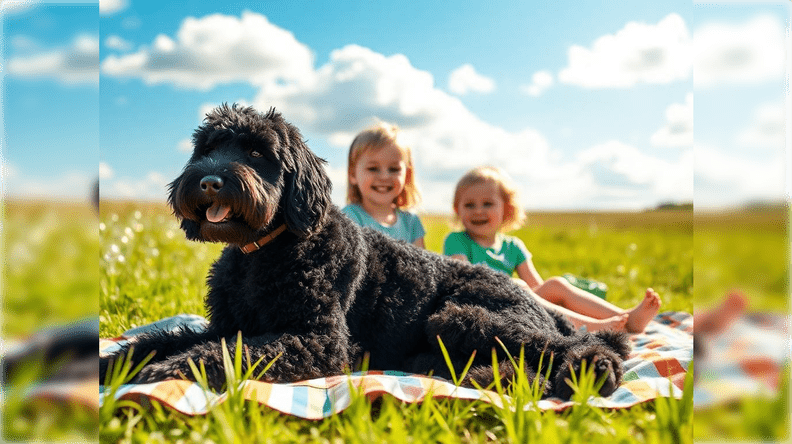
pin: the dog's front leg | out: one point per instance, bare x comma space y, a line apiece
299, 357
163, 344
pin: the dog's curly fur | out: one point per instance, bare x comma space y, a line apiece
325, 293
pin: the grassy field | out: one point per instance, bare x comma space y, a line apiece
50, 278
151, 272
148, 271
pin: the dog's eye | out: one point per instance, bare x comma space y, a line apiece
255, 153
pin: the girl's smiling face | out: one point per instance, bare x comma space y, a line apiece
380, 174
481, 209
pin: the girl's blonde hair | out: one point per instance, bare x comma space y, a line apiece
376, 137
513, 214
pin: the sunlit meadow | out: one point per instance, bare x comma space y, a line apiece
149, 272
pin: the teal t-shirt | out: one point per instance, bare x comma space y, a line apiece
408, 226
507, 253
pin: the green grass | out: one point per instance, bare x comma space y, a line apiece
746, 250
148, 271
50, 275
151, 272
50, 278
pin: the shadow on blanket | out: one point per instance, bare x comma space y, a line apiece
656, 368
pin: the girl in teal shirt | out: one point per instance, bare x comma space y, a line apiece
485, 200
381, 185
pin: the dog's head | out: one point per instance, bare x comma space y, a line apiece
249, 172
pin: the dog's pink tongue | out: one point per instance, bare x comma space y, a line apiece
217, 212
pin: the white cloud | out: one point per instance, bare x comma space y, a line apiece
110, 7
105, 171
9, 171
540, 82
745, 53
678, 129
151, 187
357, 87
465, 79
117, 43
185, 146
767, 131
77, 64
17, 6
725, 179
218, 49
638, 53
625, 172
68, 184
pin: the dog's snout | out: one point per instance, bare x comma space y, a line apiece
211, 184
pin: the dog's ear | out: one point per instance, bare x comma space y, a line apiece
307, 188
192, 229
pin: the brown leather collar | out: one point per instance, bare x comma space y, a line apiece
253, 246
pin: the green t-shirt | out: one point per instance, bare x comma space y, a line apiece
507, 253
408, 226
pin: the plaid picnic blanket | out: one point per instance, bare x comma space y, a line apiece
744, 360
656, 368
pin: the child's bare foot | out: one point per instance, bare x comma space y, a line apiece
717, 319
641, 314
616, 323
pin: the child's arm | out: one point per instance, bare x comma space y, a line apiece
527, 272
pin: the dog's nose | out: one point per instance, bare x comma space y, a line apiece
211, 184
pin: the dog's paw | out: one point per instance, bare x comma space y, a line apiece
176, 368
604, 363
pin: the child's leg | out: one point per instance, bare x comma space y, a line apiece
617, 322
560, 292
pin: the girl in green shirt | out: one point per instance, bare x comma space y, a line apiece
485, 201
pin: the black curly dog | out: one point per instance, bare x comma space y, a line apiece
300, 279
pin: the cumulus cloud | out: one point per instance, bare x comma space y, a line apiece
767, 130
117, 43
465, 79
218, 49
110, 7
77, 64
354, 88
638, 53
71, 184
678, 128
623, 171
358, 86
745, 53
725, 178
153, 186
540, 82
17, 6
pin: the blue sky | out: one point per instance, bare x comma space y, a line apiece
588, 105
